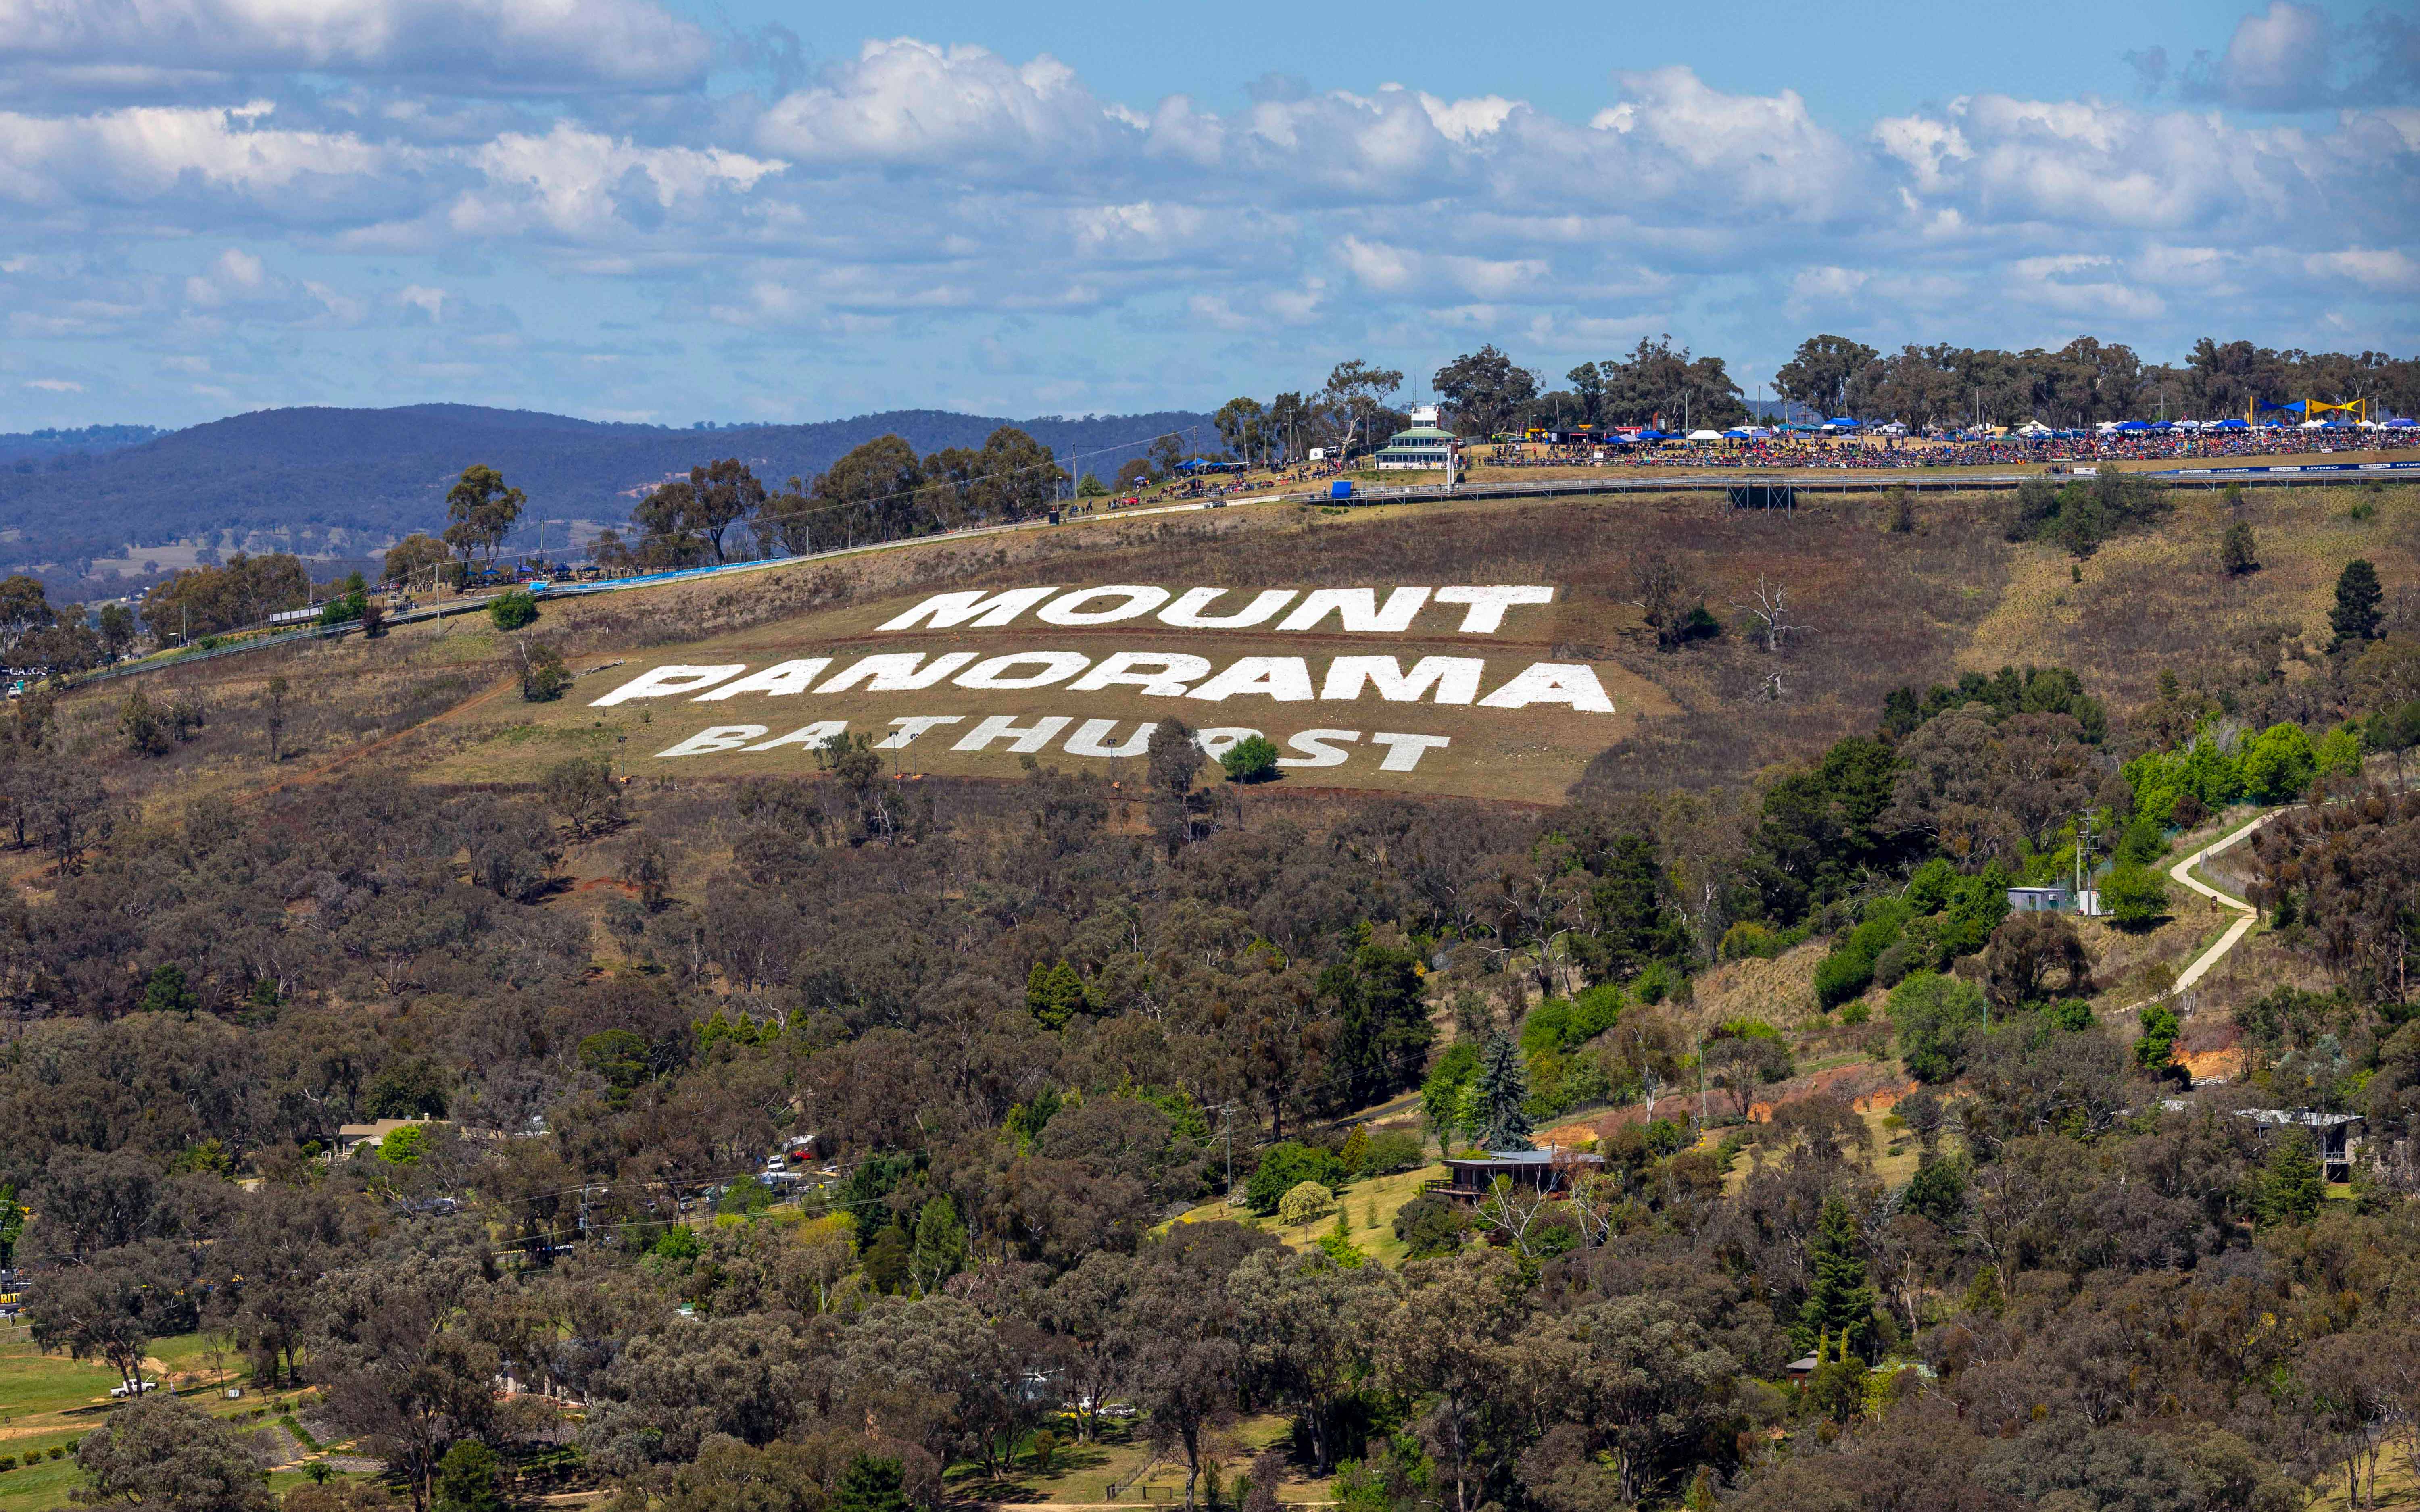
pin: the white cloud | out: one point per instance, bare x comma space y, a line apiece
916, 197
2278, 59
908, 101
577, 181
2386, 269
55, 385
1826, 284
511, 44
1466, 120
146, 153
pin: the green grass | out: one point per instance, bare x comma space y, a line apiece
1370, 1206
49, 1400
1080, 1473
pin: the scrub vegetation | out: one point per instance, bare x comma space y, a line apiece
851, 1136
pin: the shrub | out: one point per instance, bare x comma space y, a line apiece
745, 1195
2142, 843
1303, 1202
1252, 759
1897, 959
2279, 764
1442, 1096
1285, 1167
1747, 940
2135, 896
544, 676
1655, 984
2357, 613
1391, 1151
1842, 976
2236, 553
1430, 1225
1934, 1017
2339, 751
513, 610
1849, 971
1565, 1023
2070, 1014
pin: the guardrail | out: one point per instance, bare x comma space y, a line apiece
1709, 482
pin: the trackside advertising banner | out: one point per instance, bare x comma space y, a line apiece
1384, 678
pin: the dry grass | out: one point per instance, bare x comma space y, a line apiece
1879, 611
2158, 601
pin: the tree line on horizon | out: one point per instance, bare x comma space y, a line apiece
1486, 393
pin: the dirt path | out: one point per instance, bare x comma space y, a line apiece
2248, 915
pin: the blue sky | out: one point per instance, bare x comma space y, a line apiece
648, 210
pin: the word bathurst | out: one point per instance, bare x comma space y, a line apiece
1148, 674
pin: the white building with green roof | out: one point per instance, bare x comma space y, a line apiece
1422, 448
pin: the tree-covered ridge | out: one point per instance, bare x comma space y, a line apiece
382, 473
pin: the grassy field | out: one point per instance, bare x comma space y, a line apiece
1369, 1207
1081, 1475
49, 1401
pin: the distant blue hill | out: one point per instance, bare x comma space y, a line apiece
383, 473
41, 446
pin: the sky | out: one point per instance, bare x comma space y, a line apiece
740, 211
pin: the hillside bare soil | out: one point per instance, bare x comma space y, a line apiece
1870, 609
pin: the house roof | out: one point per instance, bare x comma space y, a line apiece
378, 1130
2304, 1117
1522, 1157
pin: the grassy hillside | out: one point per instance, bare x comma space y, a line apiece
1874, 610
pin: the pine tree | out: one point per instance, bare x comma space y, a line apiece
871, 1485
2290, 1188
466, 1480
1841, 1301
1053, 993
941, 1248
1503, 1088
2356, 614
2237, 552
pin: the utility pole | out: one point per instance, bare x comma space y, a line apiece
2084, 849
1698, 1115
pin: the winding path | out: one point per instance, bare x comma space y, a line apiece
2248, 915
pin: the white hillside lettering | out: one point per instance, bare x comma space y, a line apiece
896, 672
1286, 679
1357, 611
668, 682
1455, 678
1572, 683
1048, 666
1164, 674
781, 678
1189, 612
1487, 605
1354, 611
944, 611
1102, 605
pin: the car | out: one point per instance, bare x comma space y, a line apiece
133, 1388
